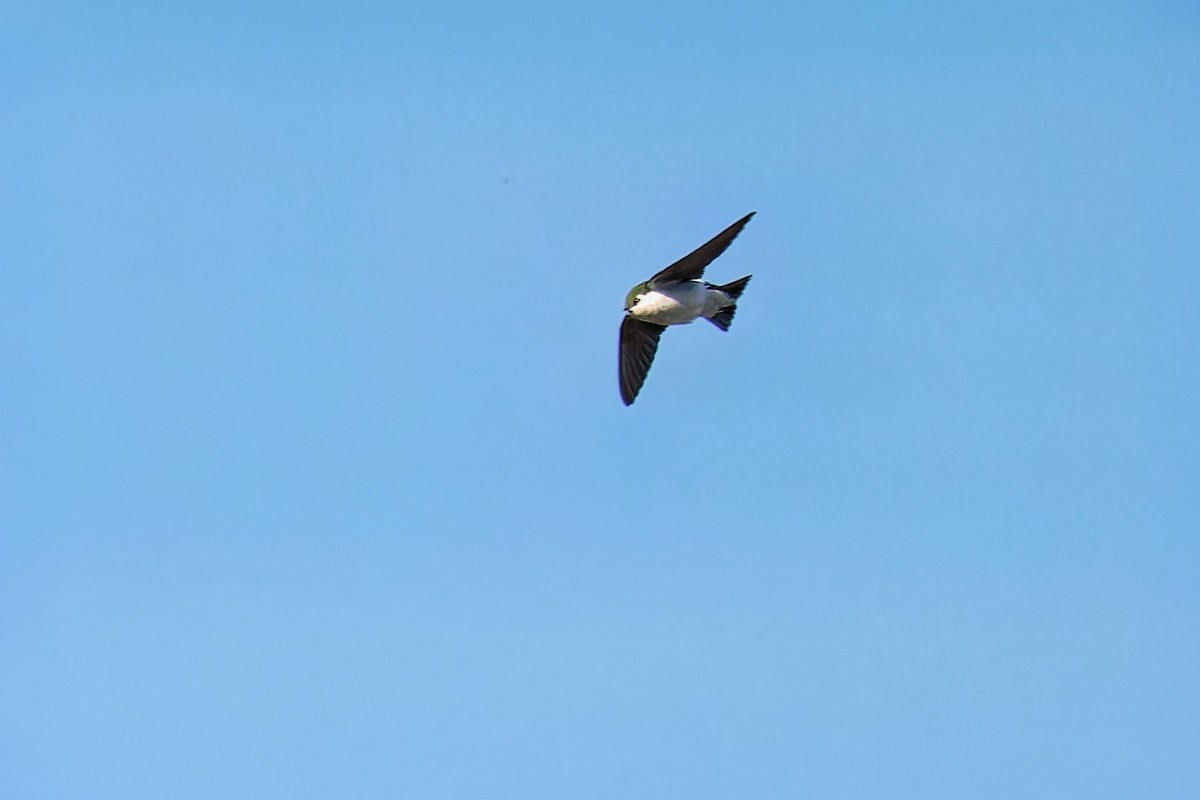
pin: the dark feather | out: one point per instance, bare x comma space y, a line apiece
639, 342
691, 267
734, 288
723, 318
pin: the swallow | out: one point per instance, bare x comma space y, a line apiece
675, 296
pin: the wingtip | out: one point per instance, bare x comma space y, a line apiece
736, 228
628, 393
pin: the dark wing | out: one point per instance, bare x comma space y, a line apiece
691, 267
639, 342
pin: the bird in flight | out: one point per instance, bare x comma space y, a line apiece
675, 296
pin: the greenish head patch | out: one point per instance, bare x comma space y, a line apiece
632, 297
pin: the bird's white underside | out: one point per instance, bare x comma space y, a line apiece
679, 304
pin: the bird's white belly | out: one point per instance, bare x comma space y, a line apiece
672, 305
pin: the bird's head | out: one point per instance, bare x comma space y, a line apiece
635, 293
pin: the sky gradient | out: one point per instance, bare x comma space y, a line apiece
315, 480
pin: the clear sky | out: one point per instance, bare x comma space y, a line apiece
315, 481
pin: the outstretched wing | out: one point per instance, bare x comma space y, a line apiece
639, 342
691, 267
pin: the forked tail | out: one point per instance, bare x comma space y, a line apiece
735, 288
724, 318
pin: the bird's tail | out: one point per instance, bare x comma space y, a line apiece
735, 288
724, 318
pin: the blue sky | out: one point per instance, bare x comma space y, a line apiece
316, 481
